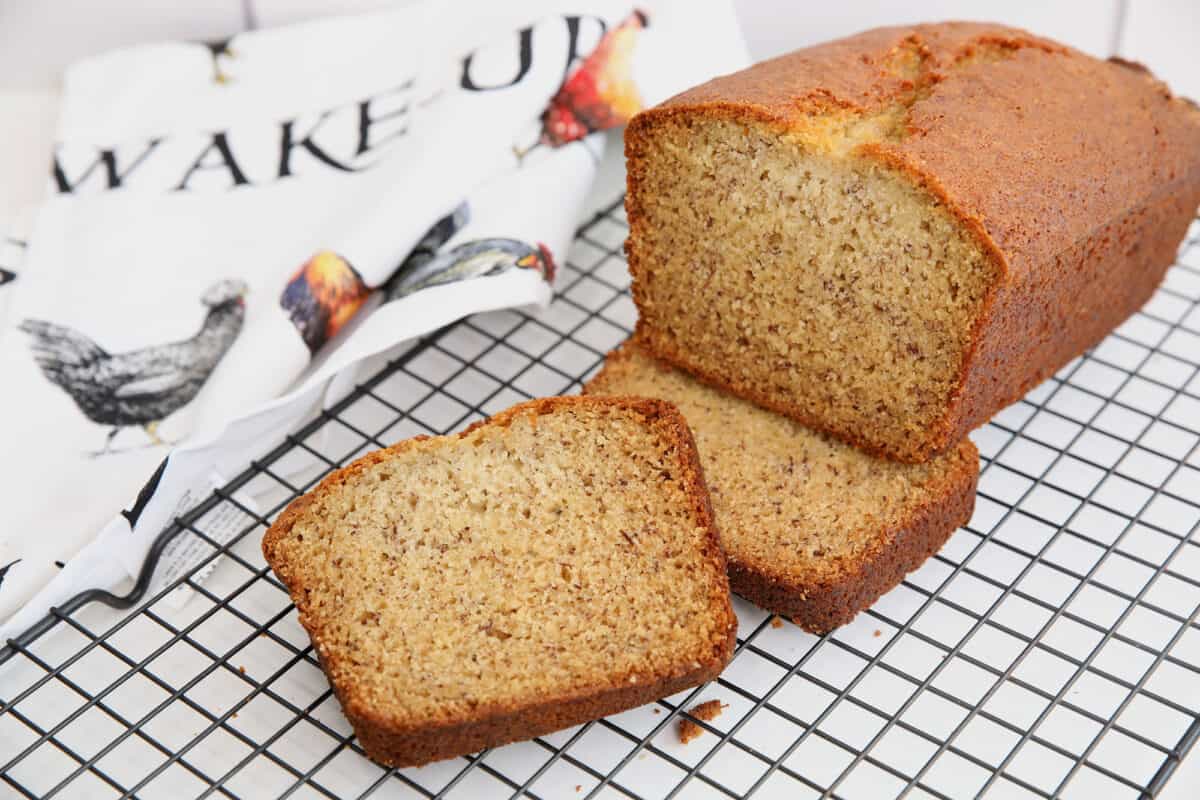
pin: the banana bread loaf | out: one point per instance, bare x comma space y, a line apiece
813, 529
892, 236
554, 564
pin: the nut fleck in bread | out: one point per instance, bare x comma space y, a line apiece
892, 236
813, 529
551, 565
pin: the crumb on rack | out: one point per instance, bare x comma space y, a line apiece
776, 622
706, 711
878, 633
688, 730
241, 669
657, 710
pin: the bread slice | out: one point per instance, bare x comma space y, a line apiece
813, 529
890, 237
551, 565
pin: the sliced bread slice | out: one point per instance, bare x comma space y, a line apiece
551, 565
813, 529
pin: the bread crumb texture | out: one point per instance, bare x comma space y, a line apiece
883, 236
812, 528
822, 278
706, 711
561, 550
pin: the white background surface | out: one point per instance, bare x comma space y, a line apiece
38, 38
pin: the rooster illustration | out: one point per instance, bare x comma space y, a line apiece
140, 387
471, 260
425, 266
4, 570
322, 296
600, 93
216, 49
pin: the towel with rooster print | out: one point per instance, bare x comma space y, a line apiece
233, 227
144, 386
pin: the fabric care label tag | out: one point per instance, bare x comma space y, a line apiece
219, 527
233, 224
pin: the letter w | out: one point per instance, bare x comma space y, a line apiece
109, 159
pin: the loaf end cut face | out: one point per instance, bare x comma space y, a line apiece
892, 236
554, 564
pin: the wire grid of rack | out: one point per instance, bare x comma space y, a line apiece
1050, 649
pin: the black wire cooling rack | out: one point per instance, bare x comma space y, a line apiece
1051, 649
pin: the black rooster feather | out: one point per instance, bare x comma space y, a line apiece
140, 387
475, 259
4, 570
216, 49
426, 266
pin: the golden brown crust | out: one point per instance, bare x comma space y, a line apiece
820, 607
392, 741
1076, 176
1035, 326
420, 746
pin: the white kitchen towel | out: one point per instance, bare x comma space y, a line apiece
12, 257
218, 212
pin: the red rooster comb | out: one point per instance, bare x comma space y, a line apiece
549, 268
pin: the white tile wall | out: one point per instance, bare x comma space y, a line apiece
280, 12
38, 38
1165, 36
25, 149
777, 26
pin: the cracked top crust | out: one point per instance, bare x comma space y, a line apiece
1002, 118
